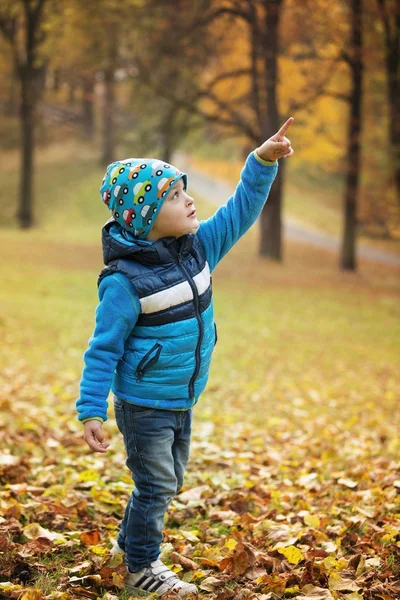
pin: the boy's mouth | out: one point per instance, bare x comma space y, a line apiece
193, 213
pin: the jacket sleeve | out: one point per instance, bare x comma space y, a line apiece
221, 231
116, 316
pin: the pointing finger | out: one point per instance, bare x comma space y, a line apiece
282, 131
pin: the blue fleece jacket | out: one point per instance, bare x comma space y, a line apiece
119, 306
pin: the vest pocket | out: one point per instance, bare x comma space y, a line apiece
148, 361
216, 333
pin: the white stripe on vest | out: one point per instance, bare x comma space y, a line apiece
177, 294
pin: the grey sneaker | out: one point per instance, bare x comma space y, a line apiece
158, 578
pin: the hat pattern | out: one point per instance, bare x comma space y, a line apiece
134, 190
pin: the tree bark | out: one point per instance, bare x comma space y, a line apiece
11, 109
25, 25
72, 93
88, 83
348, 250
391, 33
109, 136
271, 226
32, 77
167, 131
25, 216
108, 154
271, 220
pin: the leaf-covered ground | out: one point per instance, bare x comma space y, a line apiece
293, 485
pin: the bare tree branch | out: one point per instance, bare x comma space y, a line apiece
319, 89
337, 95
222, 76
208, 19
237, 118
8, 27
347, 58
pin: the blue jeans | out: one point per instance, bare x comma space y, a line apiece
157, 444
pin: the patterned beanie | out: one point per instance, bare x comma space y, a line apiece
134, 190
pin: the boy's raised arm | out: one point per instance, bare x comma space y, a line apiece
221, 231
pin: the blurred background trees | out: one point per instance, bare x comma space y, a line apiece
151, 77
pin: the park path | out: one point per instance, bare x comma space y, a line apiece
217, 192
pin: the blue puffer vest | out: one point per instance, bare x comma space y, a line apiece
167, 356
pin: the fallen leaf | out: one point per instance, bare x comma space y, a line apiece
293, 554
210, 584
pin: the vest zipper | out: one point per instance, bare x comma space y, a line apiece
145, 363
200, 322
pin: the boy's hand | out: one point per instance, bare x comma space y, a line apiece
94, 436
277, 146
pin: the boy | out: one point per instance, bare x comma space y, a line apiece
155, 333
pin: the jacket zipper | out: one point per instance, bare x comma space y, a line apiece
143, 365
198, 316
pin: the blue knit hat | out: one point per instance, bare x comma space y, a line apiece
134, 190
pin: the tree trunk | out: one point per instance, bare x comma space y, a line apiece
108, 154
348, 251
88, 83
167, 130
109, 136
391, 32
31, 71
393, 68
56, 80
24, 215
271, 225
395, 142
72, 93
11, 109
270, 220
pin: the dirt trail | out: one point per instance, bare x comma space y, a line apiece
217, 192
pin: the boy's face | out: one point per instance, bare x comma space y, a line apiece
177, 215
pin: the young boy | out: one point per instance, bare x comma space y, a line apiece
155, 333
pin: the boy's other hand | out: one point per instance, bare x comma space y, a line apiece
94, 436
277, 146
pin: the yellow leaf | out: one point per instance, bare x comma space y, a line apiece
7, 586
89, 475
330, 562
197, 575
312, 521
118, 580
292, 590
99, 550
176, 568
191, 535
32, 595
293, 554
231, 544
